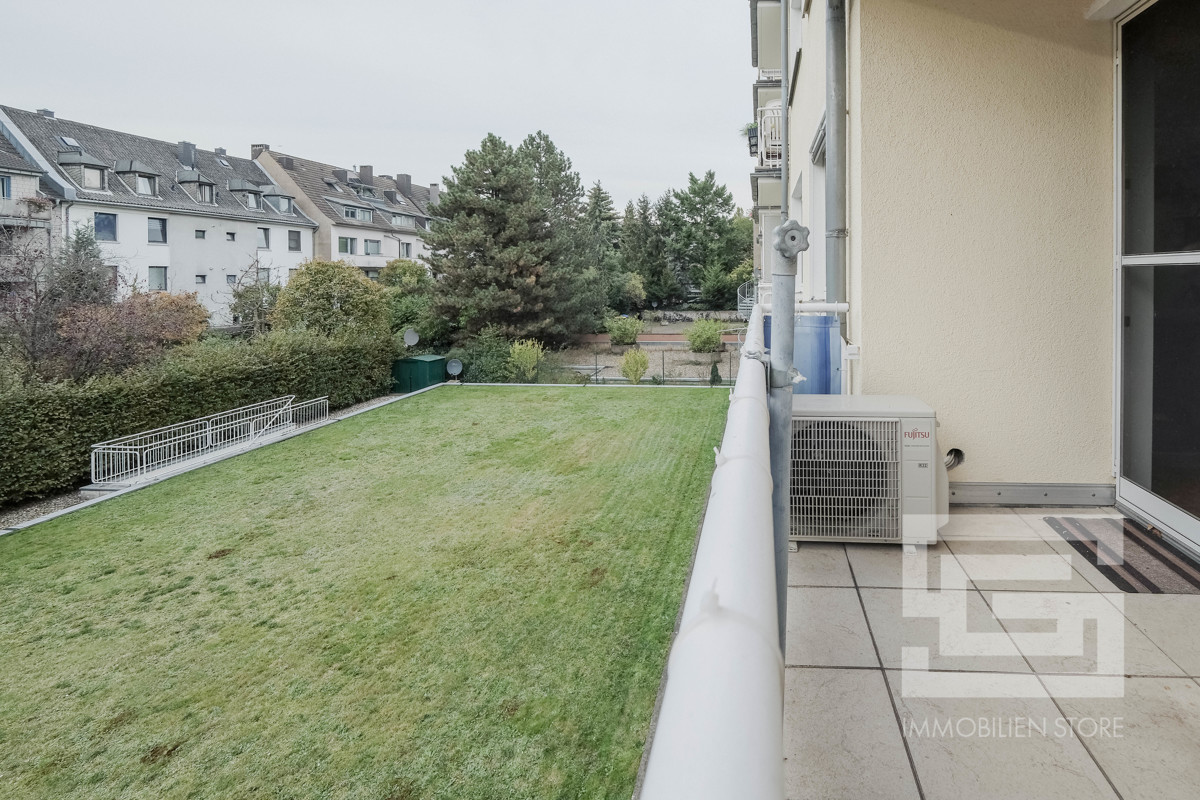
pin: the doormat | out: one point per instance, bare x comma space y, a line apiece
1135, 558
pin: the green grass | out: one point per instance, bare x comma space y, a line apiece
467, 594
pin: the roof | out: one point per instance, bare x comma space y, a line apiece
11, 159
323, 185
127, 151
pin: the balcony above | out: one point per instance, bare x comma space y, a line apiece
770, 137
18, 212
765, 35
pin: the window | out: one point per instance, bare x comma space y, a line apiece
230, 236
253, 200
157, 230
231, 280
372, 247
347, 245
264, 238
105, 226
223, 163
145, 184
294, 241
406, 250
264, 275
201, 279
93, 178
158, 279
206, 193
365, 215
200, 234
404, 220
373, 274
350, 213
5, 186
283, 205
68, 141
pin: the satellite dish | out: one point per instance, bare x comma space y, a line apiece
454, 367
411, 337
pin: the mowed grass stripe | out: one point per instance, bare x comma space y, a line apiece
466, 594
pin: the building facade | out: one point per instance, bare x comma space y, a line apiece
1023, 228
27, 219
364, 219
167, 216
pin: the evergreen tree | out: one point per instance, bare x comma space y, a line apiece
642, 252
494, 250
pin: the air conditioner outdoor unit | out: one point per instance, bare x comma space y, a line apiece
865, 468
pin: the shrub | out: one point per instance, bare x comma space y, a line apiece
47, 429
714, 375
704, 336
404, 273
624, 330
331, 297
634, 365
484, 358
524, 356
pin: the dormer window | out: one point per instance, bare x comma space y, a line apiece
93, 178
404, 220
282, 204
145, 184
252, 200
205, 192
360, 214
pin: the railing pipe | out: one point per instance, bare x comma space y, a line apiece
720, 727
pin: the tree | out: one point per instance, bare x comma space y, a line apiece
493, 253
99, 338
698, 229
409, 290
331, 297
254, 300
40, 286
642, 252
557, 183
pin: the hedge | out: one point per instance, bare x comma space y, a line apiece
47, 429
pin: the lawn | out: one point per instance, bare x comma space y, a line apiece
466, 594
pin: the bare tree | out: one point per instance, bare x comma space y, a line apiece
253, 299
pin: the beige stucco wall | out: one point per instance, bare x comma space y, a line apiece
982, 227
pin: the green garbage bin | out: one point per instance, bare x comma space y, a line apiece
418, 372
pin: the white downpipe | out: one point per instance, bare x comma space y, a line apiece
720, 728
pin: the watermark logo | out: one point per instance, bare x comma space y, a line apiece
1033, 635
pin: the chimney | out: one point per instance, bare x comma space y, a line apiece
390, 194
340, 175
433, 194
287, 163
404, 184
187, 155
258, 149
366, 174
45, 112
220, 151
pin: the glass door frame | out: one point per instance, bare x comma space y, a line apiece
1180, 526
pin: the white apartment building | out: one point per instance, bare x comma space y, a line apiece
168, 216
364, 219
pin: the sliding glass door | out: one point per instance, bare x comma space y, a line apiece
1160, 266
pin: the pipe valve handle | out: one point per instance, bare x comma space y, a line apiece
791, 239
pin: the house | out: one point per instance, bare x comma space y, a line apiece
26, 214
365, 219
168, 216
1019, 244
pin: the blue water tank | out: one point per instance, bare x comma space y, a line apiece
818, 355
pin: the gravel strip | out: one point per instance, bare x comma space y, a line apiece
15, 515
376, 401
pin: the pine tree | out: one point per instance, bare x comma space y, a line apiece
493, 253
642, 252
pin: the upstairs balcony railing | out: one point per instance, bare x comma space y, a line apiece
17, 210
770, 137
770, 75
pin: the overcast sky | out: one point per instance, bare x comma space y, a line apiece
637, 92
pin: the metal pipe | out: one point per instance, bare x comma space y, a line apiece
783, 316
817, 307
835, 152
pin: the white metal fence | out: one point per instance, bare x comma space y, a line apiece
131, 457
770, 137
720, 728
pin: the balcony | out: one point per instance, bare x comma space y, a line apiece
18, 212
770, 76
770, 137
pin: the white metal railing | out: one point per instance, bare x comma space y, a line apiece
770, 137
766, 75
131, 457
720, 728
